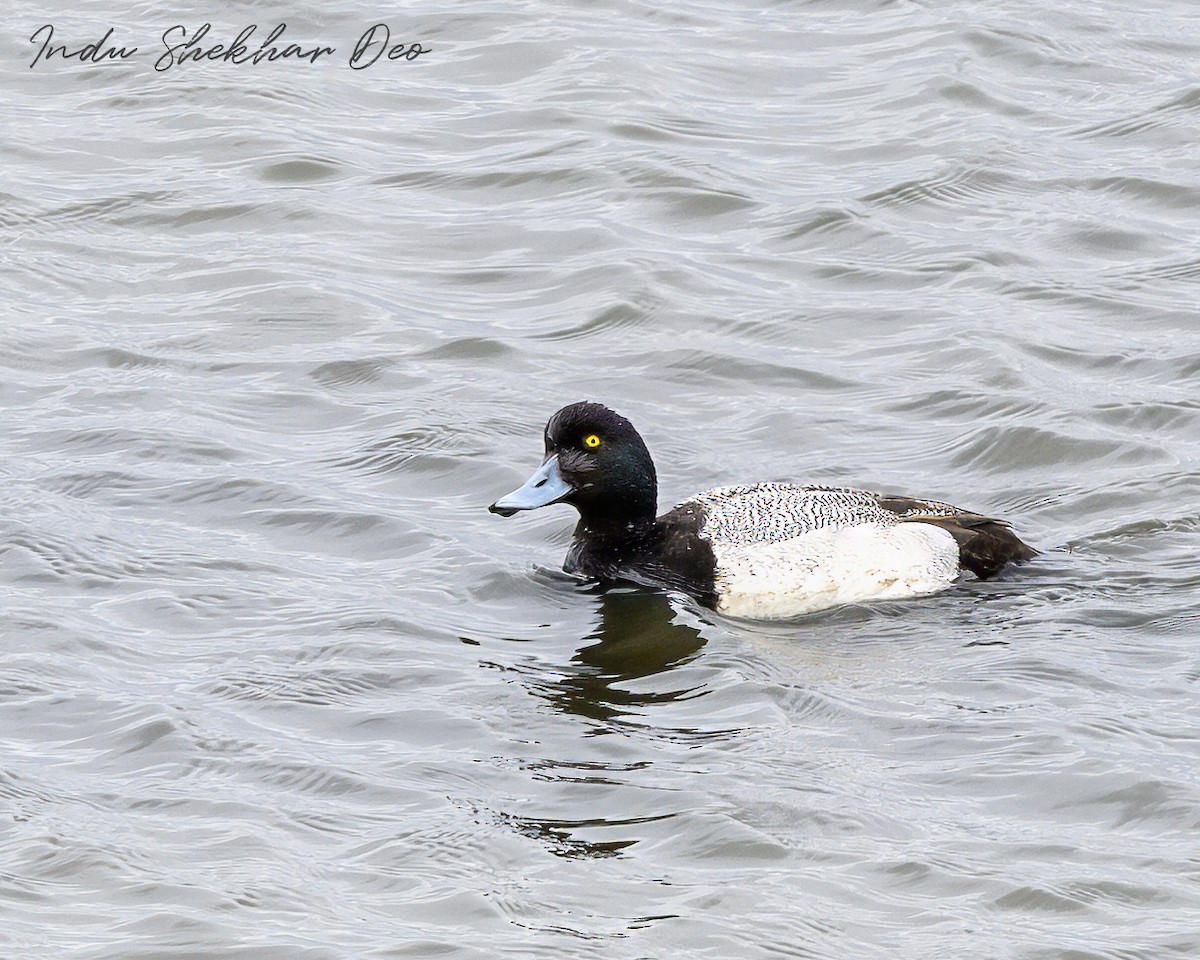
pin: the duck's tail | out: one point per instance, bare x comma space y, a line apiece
985, 545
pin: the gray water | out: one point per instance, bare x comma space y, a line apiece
273, 684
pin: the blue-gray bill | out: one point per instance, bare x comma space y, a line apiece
545, 487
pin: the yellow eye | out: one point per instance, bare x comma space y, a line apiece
591, 441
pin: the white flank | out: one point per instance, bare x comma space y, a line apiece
831, 566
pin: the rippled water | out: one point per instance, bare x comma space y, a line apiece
273, 684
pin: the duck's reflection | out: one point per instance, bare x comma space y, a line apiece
640, 634
599, 803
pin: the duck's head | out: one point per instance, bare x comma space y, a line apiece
595, 461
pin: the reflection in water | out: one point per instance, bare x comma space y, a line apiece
638, 636
597, 805
560, 837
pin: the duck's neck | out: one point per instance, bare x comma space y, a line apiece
614, 531
603, 546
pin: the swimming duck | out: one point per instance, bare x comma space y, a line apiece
758, 551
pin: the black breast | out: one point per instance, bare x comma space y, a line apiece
668, 553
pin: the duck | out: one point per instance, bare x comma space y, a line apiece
758, 551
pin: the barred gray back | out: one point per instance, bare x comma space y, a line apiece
771, 512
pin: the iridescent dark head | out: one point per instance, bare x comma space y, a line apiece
596, 461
